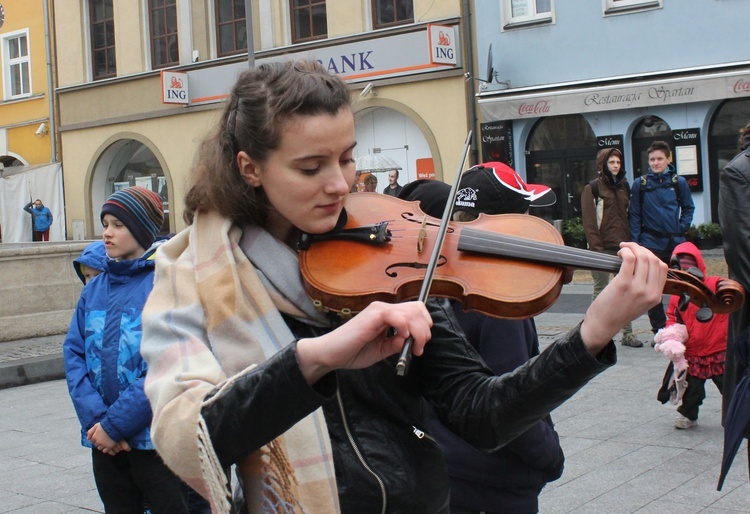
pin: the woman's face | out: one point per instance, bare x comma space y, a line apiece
306, 179
613, 163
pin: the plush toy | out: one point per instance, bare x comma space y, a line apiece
670, 341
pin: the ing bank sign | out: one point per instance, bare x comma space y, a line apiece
433, 48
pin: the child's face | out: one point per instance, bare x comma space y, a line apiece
118, 241
88, 273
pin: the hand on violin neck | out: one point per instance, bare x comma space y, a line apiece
365, 339
635, 289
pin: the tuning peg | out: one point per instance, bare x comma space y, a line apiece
684, 302
674, 262
695, 272
704, 314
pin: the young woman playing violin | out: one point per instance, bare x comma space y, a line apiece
244, 371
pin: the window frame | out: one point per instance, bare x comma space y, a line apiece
611, 7
217, 27
293, 21
9, 63
396, 23
152, 37
105, 48
511, 22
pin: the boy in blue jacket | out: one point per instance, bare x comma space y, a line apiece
104, 368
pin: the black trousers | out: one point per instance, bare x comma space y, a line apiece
695, 393
129, 479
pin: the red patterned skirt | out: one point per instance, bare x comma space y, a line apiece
707, 366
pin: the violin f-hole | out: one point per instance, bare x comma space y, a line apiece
392, 273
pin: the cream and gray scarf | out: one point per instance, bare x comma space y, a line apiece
212, 317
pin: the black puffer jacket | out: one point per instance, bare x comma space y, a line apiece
384, 460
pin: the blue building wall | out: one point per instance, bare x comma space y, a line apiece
583, 44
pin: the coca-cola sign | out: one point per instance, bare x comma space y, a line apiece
534, 108
742, 86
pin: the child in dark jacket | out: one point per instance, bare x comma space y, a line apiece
510, 478
104, 368
705, 343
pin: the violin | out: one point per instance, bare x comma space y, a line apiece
507, 265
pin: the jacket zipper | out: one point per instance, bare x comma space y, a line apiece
421, 434
356, 449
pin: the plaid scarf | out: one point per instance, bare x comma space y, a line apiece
211, 318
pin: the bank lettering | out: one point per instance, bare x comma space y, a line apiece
348, 63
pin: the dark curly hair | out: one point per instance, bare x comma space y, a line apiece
261, 100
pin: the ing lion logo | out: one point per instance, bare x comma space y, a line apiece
443, 39
176, 83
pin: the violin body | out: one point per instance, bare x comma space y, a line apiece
508, 265
346, 276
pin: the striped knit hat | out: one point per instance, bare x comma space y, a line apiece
138, 209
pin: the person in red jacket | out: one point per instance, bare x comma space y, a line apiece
706, 343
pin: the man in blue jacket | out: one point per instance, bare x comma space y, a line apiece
41, 219
661, 211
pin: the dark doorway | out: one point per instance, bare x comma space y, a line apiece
650, 129
562, 155
723, 144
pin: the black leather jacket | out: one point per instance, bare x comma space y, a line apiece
384, 459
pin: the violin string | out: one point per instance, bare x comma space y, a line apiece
523, 245
520, 248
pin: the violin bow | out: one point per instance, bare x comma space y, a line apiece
404, 359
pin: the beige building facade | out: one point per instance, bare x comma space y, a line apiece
140, 86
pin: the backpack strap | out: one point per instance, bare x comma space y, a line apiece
643, 189
594, 184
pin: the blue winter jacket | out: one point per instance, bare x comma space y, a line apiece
103, 364
42, 218
94, 256
667, 211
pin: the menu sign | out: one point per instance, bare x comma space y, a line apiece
687, 156
497, 142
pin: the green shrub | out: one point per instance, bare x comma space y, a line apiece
709, 230
574, 228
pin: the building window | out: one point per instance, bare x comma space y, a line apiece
521, 13
623, 6
17, 63
309, 20
102, 19
165, 50
231, 31
387, 13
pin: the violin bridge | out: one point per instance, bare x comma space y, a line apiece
422, 235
